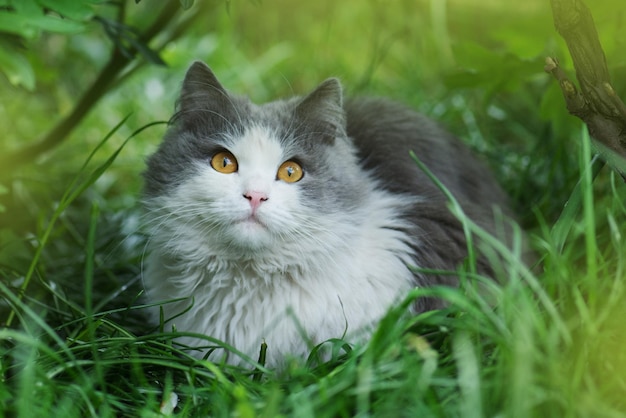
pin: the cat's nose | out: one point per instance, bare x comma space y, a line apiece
255, 198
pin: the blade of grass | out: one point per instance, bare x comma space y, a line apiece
41, 324
469, 376
526, 275
66, 199
589, 219
567, 219
72, 192
470, 228
455, 208
89, 274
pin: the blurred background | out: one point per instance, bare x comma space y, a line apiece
86, 89
474, 65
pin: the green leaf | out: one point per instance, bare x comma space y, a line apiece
569, 216
29, 26
16, 67
55, 24
71, 9
16, 24
28, 8
186, 4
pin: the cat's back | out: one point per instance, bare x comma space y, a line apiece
384, 133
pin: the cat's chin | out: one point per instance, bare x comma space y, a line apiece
251, 233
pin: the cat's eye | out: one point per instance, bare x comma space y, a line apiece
290, 172
224, 162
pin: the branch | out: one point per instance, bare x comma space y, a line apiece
116, 64
596, 104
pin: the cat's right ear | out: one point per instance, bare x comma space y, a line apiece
325, 103
201, 92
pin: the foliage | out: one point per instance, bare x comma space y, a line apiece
71, 247
25, 20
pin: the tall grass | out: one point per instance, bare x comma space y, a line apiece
542, 342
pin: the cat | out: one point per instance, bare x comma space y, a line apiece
297, 221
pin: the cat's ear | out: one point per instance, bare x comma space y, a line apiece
328, 92
201, 91
325, 103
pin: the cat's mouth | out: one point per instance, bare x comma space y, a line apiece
252, 232
253, 220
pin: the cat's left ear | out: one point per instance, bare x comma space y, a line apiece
325, 103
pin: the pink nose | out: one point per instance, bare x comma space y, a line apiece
255, 198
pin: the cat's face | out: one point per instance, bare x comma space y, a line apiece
247, 189
250, 176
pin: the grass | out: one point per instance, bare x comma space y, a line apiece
551, 345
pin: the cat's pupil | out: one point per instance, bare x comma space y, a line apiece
290, 171
226, 161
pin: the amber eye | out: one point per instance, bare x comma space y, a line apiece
290, 171
224, 162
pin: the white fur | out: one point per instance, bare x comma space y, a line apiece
252, 281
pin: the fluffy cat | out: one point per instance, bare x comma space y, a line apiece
295, 221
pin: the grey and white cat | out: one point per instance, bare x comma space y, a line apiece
301, 215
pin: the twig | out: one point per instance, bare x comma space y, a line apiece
596, 103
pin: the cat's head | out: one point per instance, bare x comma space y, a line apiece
248, 175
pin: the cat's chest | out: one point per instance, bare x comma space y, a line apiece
324, 298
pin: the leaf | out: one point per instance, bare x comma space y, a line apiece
16, 67
71, 9
55, 24
28, 8
29, 26
186, 4
16, 24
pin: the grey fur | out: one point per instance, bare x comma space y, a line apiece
384, 132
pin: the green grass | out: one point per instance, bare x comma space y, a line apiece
551, 345
535, 342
